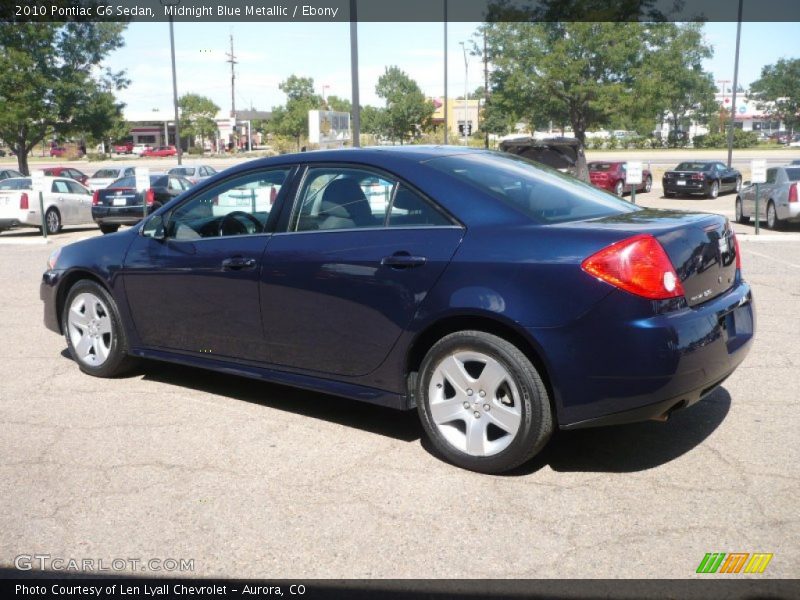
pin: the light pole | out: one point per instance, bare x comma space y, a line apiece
735, 85
466, 87
356, 123
175, 94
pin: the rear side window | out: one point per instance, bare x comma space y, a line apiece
75, 187
543, 194
409, 209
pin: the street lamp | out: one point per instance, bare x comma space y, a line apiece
175, 95
466, 88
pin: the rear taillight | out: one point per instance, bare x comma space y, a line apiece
793, 193
150, 197
638, 265
96, 198
23, 201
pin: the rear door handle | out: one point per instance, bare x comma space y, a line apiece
403, 261
238, 263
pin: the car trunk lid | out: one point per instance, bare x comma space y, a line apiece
119, 197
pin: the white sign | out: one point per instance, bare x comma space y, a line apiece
142, 179
633, 173
37, 181
328, 128
758, 169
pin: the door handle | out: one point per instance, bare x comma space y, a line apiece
403, 260
238, 263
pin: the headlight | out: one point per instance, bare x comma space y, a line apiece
51, 262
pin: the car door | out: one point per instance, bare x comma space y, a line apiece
196, 290
765, 192
350, 269
61, 197
81, 199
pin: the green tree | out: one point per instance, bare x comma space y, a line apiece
371, 119
407, 111
777, 91
53, 82
197, 116
292, 119
339, 104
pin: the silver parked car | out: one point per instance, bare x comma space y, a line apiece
778, 198
194, 173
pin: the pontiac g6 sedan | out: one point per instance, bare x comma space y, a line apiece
499, 298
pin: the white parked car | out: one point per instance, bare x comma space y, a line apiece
66, 203
194, 173
138, 149
104, 177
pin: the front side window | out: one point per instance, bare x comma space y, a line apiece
235, 207
771, 173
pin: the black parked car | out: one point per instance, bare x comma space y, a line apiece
708, 178
120, 203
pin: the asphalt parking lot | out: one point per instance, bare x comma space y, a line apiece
254, 480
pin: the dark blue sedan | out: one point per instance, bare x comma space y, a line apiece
499, 298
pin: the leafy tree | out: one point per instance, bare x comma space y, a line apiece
777, 91
197, 116
292, 119
53, 82
339, 104
407, 110
371, 119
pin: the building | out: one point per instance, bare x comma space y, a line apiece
457, 116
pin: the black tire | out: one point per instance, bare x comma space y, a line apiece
669, 194
738, 187
52, 220
648, 185
713, 190
527, 396
774, 223
118, 361
108, 228
740, 217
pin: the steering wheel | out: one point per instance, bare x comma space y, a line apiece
232, 218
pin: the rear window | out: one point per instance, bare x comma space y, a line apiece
106, 174
692, 166
125, 182
15, 184
182, 171
793, 174
543, 194
601, 166
158, 180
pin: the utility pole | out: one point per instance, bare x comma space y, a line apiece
174, 97
356, 124
735, 85
232, 60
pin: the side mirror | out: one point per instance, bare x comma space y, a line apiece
154, 228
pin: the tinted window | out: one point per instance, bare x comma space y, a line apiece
793, 174
158, 180
237, 207
601, 166
342, 198
692, 166
182, 171
76, 188
543, 194
125, 182
106, 174
410, 209
771, 173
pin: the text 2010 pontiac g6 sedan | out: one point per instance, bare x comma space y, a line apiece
500, 298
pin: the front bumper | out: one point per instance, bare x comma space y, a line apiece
622, 363
691, 187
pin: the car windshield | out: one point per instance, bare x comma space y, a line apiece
692, 166
106, 174
182, 171
793, 174
543, 194
15, 184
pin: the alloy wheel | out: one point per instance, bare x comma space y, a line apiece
90, 329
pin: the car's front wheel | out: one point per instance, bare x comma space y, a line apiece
92, 327
648, 185
482, 403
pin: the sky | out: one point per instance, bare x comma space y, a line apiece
267, 53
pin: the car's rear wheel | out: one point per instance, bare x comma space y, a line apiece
713, 191
619, 188
648, 185
52, 220
109, 228
773, 222
482, 402
92, 327
740, 218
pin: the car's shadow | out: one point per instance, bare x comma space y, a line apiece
615, 449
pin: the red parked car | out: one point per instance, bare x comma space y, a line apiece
125, 148
160, 151
70, 172
610, 175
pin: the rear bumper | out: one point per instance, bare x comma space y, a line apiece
119, 215
619, 364
9, 223
691, 187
